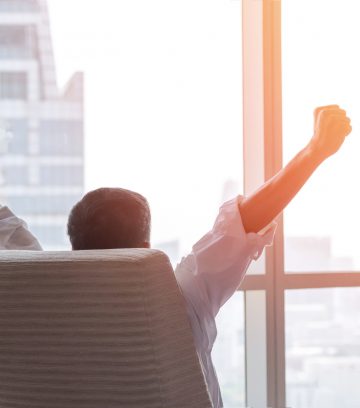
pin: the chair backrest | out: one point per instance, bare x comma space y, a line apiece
93, 329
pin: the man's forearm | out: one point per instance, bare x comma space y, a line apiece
261, 207
331, 127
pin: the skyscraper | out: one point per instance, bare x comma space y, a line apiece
43, 167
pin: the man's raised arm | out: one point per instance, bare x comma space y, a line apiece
330, 130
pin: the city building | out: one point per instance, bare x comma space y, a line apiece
42, 165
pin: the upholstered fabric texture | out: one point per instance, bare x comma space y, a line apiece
102, 329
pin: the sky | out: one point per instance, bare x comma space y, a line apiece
162, 101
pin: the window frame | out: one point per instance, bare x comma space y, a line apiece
264, 294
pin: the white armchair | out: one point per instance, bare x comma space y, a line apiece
95, 329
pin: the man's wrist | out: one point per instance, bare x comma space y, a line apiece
314, 154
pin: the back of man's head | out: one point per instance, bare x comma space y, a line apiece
109, 218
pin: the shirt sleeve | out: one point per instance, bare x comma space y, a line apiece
211, 274
14, 233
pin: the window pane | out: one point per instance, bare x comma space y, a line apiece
321, 67
13, 85
17, 130
18, 5
229, 352
17, 42
322, 348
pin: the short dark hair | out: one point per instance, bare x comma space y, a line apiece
109, 218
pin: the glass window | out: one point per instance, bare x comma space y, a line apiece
18, 5
18, 136
15, 41
322, 348
15, 175
60, 138
13, 85
321, 67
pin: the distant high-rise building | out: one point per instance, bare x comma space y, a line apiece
43, 168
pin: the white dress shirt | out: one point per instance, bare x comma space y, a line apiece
211, 274
14, 233
208, 277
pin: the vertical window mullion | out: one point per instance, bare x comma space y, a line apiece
273, 163
254, 172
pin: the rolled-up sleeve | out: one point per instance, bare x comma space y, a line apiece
218, 262
14, 233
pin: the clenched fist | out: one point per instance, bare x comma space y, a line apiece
330, 130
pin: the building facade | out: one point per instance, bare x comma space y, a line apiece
42, 165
